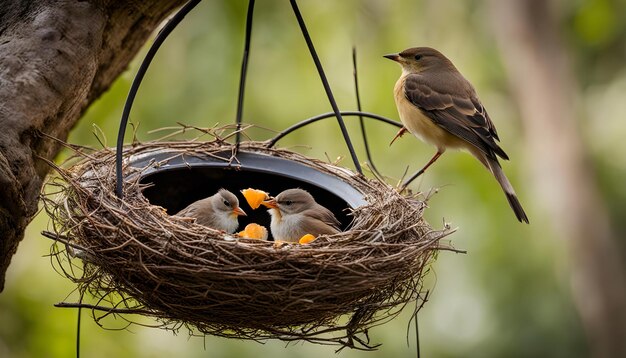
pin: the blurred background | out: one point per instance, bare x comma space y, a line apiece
552, 75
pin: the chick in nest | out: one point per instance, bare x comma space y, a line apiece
295, 213
220, 211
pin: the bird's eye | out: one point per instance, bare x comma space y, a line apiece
226, 203
288, 202
418, 57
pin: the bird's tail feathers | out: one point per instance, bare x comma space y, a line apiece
504, 182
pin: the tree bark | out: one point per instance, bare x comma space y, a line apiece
56, 58
536, 60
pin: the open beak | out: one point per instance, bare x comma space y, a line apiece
237, 212
393, 56
270, 203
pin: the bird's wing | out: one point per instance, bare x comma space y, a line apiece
315, 226
324, 215
196, 208
189, 211
460, 114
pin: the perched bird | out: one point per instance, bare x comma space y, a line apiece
219, 211
437, 104
295, 213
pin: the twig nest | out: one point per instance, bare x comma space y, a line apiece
183, 273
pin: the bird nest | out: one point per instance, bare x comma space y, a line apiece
138, 259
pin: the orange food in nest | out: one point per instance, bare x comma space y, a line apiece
254, 197
308, 238
253, 231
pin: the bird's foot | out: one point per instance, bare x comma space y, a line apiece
398, 135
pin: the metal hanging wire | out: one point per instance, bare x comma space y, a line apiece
319, 117
244, 73
329, 92
158, 41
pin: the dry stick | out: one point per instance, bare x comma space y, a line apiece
104, 309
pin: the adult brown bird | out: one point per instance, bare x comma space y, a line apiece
438, 105
295, 213
219, 211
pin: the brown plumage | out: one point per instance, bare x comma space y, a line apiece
295, 213
219, 211
438, 105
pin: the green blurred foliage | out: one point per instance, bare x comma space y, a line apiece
508, 297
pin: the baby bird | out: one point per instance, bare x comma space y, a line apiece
295, 213
219, 211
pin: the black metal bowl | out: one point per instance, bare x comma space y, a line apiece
183, 179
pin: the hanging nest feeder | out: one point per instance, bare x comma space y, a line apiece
143, 261
111, 209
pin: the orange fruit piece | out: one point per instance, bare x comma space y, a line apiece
308, 238
254, 197
254, 231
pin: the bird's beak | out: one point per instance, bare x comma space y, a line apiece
393, 56
271, 204
238, 211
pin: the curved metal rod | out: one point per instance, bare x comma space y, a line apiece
329, 92
368, 154
160, 38
244, 72
308, 121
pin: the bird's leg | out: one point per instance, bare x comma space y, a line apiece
398, 135
421, 171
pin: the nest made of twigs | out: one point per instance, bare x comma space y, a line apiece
140, 260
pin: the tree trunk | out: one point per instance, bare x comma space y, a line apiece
537, 63
56, 57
